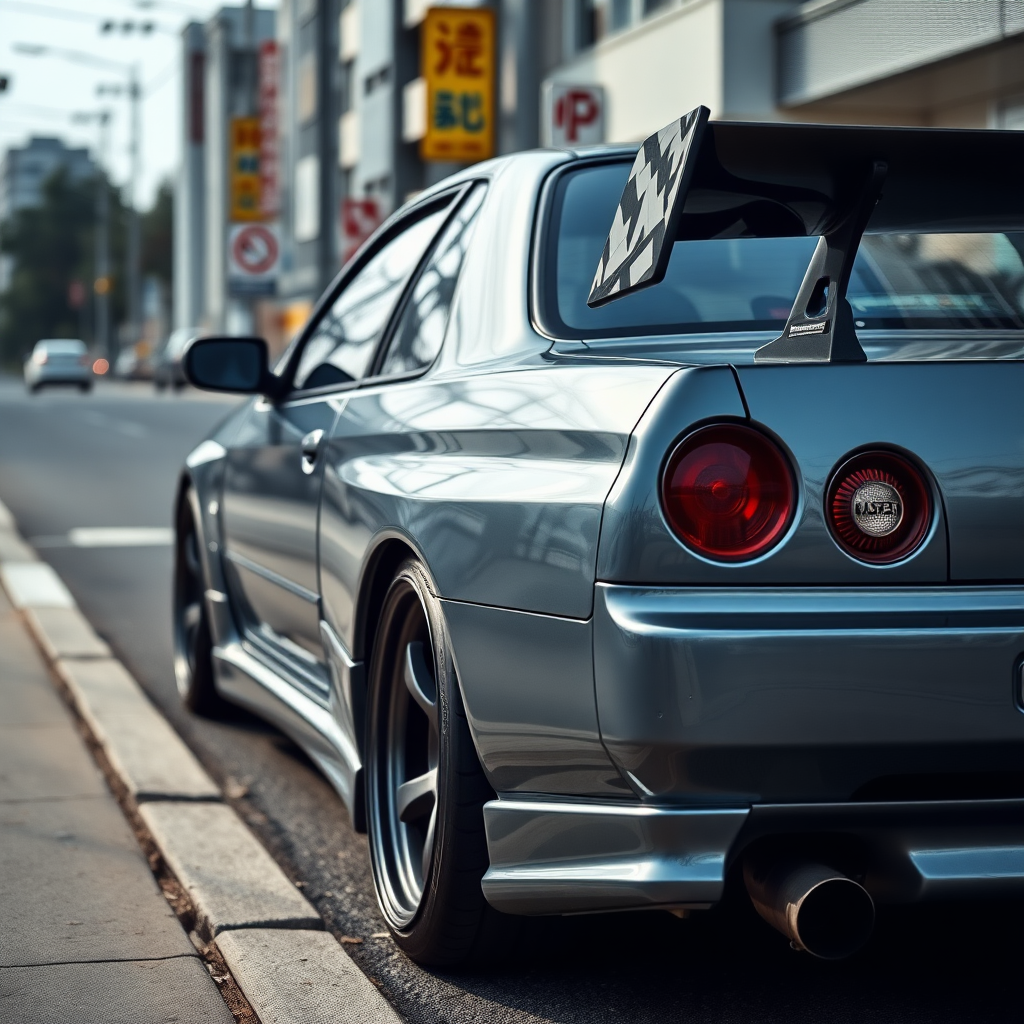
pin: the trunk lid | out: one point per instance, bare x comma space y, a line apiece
964, 421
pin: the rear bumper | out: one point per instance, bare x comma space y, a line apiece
550, 857
789, 695
63, 375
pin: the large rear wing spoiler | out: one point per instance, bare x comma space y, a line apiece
701, 179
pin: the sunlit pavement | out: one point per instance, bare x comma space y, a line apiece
73, 464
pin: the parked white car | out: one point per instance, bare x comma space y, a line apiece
58, 361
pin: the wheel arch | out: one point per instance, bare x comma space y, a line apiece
391, 549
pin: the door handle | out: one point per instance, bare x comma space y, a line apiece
310, 448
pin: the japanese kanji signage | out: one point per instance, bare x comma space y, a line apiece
458, 65
245, 169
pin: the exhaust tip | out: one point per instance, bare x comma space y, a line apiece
819, 909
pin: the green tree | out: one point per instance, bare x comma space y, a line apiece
54, 244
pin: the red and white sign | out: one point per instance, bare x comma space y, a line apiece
269, 70
254, 255
359, 219
573, 115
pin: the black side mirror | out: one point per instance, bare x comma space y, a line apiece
229, 364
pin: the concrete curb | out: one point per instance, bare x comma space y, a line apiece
150, 758
271, 937
292, 977
233, 881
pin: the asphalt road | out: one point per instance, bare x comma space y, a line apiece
110, 460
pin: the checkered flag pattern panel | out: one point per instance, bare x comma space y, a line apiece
634, 253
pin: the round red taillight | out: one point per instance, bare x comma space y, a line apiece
878, 507
728, 492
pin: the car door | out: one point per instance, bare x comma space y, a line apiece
273, 474
371, 421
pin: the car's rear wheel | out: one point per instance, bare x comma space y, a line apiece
193, 649
425, 786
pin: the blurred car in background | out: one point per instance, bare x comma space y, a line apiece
58, 361
167, 369
134, 363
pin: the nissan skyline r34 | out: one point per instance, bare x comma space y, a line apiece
631, 527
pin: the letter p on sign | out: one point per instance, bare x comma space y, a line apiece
572, 115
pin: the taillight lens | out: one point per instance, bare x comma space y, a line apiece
878, 507
728, 492
40, 358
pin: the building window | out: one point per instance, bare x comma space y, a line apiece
619, 14
375, 81
346, 87
651, 6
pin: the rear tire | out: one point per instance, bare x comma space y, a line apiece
425, 787
193, 648
85, 388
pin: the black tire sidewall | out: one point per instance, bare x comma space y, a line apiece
195, 685
445, 927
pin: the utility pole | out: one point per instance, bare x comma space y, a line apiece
134, 241
101, 286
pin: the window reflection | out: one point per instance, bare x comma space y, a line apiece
344, 341
420, 331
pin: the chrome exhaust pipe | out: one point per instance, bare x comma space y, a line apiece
817, 908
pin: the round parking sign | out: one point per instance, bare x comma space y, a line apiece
254, 250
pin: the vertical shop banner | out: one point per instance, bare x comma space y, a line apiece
245, 169
457, 62
270, 163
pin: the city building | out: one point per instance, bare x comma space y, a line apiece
25, 169
220, 67
908, 62
348, 99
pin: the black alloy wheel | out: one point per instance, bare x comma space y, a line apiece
193, 649
425, 787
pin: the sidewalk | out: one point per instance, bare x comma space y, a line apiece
86, 935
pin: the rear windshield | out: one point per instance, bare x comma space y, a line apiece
749, 284
62, 348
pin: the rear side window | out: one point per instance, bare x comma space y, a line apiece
422, 324
344, 340
749, 284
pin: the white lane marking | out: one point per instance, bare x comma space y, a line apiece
120, 536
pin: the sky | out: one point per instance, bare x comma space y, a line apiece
44, 91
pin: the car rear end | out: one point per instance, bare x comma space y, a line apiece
809, 609
765, 639
59, 361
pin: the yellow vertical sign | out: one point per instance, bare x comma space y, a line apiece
245, 169
457, 62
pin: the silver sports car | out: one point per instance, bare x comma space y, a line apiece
631, 528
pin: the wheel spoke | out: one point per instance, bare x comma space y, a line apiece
428, 845
417, 797
419, 681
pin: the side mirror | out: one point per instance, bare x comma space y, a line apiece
229, 364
